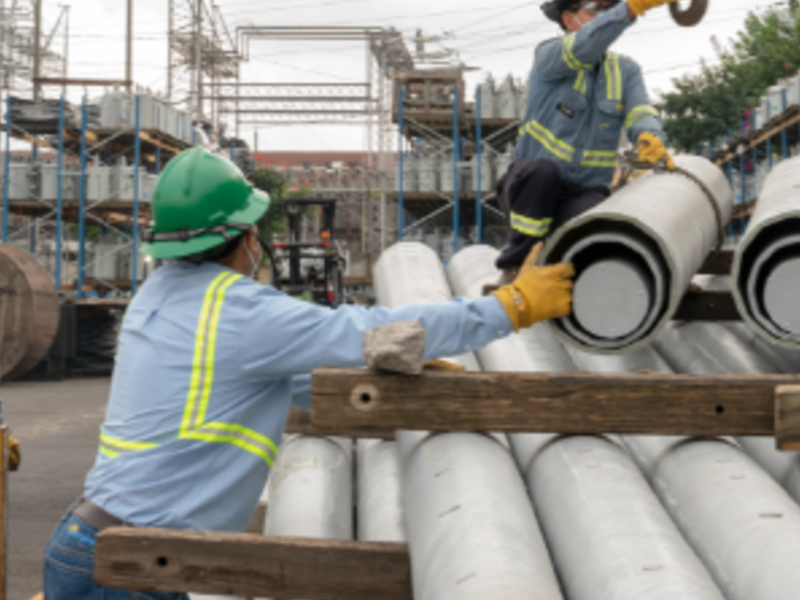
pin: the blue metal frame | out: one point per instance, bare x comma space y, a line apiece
742, 175
400, 220
82, 201
59, 193
479, 166
456, 156
157, 167
7, 170
137, 150
785, 134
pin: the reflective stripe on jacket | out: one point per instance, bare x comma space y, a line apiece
581, 98
208, 363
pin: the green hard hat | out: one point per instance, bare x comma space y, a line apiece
201, 201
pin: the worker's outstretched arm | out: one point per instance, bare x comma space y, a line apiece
566, 56
289, 337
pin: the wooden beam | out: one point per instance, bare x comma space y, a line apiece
570, 403
299, 422
707, 306
787, 417
257, 521
241, 564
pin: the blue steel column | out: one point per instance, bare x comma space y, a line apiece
137, 149
400, 223
479, 166
7, 170
755, 170
157, 168
34, 160
82, 201
456, 156
742, 177
59, 192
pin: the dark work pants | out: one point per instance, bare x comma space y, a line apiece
534, 190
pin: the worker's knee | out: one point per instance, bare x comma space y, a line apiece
547, 168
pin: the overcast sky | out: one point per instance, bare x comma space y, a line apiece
497, 38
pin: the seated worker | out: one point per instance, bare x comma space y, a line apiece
208, 362
580, 99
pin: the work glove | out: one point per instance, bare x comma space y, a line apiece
14, 453
538, 293
642, 6
442, 364
651, 150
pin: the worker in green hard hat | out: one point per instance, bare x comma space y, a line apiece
209, 362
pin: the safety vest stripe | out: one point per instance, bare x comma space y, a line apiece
639, 113
545, 137
199, 353
600, 154
528, 226
568, 56
212, 345
244, 431
221, 435
580, 82
613, 77
113, 447
601, 164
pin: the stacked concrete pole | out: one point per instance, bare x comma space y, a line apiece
636, 254
710, 349
609, 536
741, 524
766, 267
471, 530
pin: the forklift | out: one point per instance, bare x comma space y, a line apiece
310, 271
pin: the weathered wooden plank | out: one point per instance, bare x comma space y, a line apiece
248, 565
299, 422
574, 403
256, 524
787, 417
707, 306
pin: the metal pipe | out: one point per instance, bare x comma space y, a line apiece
400, 175
479, 166
766, 267
137, 159
456, 186
609, 536
471, 530
59, 193
635, 256
7, 170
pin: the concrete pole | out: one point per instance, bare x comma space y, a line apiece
198, 57
471, 530
129, 48
37, 49
609, 536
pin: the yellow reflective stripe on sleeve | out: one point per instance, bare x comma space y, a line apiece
113, 447
604, 159
545, 137
639, 113
613, 77
580, 82
569, 58
528, 226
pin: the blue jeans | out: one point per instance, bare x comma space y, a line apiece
69, 567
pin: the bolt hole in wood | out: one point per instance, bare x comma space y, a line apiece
720, 410
365, 396
162, 561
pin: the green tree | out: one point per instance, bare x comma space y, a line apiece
276, 184
707, 104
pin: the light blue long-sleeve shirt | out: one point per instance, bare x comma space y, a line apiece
207, 365
580, 99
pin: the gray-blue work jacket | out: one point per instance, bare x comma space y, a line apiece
580, 98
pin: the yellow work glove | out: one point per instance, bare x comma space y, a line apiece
441, 364
642, 6
14, 454
651, 150
538, 293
